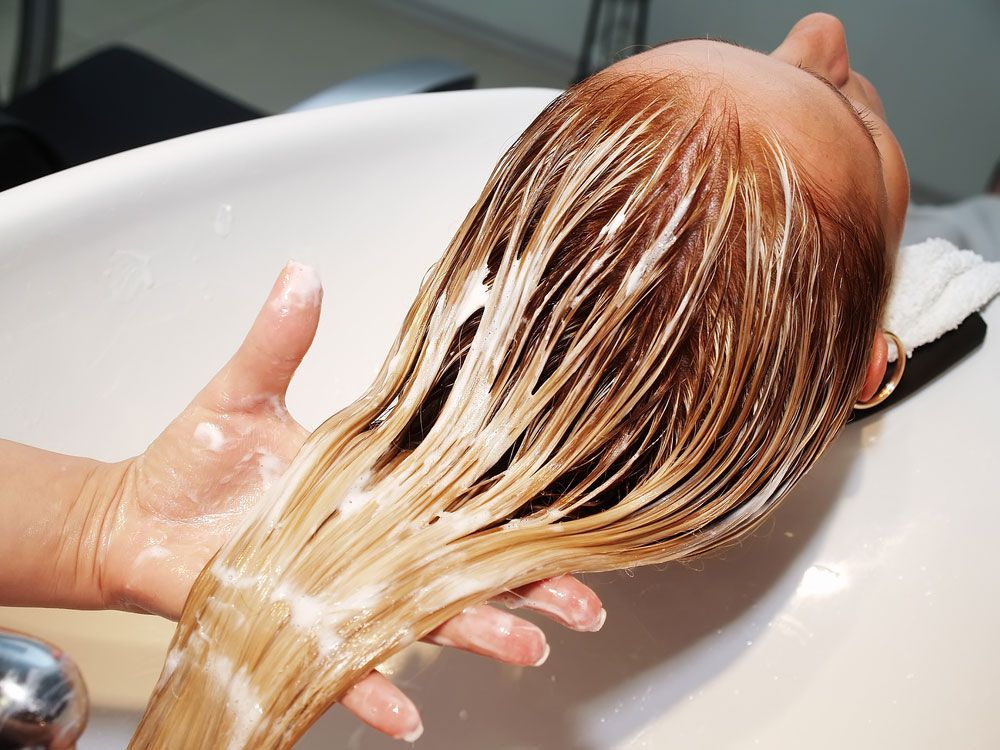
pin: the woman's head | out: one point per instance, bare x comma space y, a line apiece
827, 116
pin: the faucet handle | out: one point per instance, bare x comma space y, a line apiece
43, 699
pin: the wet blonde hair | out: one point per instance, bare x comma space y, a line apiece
646, 330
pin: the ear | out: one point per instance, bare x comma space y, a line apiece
877, 364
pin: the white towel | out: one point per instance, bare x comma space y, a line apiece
936, 287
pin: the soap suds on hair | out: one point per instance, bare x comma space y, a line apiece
320, 616
474, 297
663, 242
270, 467
233, 578
174, 657
306, 611
462, 522
243, 702
358, 496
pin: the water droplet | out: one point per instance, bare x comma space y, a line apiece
128, 274
223, 223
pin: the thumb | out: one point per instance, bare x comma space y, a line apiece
278, 340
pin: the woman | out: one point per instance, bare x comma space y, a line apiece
135, 535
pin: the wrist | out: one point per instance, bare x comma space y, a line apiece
56, 521
87, 541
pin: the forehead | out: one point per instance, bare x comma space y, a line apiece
808, 119
707, 56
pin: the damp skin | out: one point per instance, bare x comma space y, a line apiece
210, 436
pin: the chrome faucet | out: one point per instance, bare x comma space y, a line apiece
43, 700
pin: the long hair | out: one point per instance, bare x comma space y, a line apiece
646, 330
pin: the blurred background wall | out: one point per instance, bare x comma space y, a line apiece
936, 64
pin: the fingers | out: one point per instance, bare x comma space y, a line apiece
563, 599
383, 706
499, 635
277, 341
488, 632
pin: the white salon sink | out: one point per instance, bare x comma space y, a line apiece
865, 615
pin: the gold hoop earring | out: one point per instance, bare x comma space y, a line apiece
897, 374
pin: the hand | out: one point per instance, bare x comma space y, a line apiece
177, 503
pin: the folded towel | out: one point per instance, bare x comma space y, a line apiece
936, 287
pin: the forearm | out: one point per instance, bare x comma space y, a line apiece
55, 512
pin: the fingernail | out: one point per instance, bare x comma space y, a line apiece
544, 657
301, 287
511, 635
414, 734
598, 623
398, 711
528, 634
